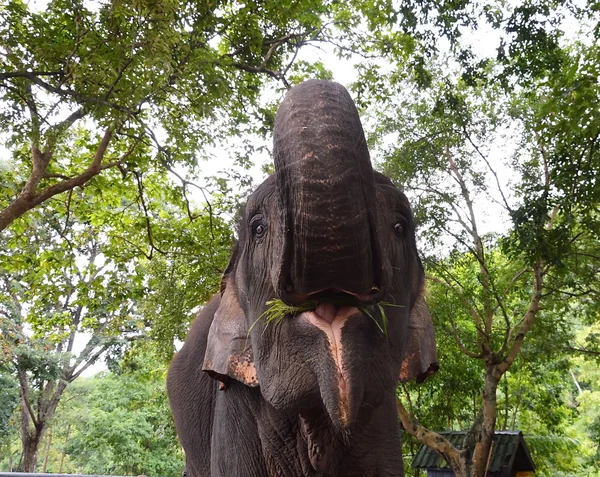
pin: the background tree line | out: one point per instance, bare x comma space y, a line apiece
110, 240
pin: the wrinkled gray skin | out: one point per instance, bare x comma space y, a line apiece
312, 395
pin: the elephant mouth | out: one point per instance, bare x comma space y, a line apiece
331, 319
336, 296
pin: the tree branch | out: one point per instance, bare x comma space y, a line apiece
431, 439
79, 98
140, 185
477, 242
472, 308
75, 323
25, 396
66, 123
583, 350
489, 166
28, 199
261, 69
28, 74
118, 78
91, 360
528, 319
454, 327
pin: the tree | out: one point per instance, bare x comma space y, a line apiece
119, 422
94, 120
76, 270
534, 395
444, 120
151, 83
116, 422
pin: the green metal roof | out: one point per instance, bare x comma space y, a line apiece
506, 446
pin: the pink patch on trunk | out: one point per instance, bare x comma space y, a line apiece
329, 319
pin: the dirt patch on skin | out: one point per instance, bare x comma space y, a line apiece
243, 370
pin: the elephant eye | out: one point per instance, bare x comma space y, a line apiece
259, 228
400, 228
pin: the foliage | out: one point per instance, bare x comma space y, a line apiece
534, 396
161, 80
78, 283
9, 391
121, 423
442, 129
116, 423
101, 236
586, 397
179, 283
9, 397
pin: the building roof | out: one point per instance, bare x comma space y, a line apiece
509, 449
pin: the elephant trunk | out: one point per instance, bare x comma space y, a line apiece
327, 196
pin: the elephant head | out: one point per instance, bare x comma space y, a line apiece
324, 229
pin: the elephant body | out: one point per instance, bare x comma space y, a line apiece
312, 393
234, 432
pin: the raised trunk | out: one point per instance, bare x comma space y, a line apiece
327, 192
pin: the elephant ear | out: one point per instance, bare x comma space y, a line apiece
419, 357
228, 349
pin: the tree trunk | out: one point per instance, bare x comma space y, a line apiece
62, 457
32, 432
44, 469
34, 424
31, 444
483, 429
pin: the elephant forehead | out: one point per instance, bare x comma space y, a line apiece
262, 194
389, 196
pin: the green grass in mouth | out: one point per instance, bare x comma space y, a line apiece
277, 310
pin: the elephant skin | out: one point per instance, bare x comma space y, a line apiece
311, 394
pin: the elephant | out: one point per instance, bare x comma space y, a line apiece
314, 392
